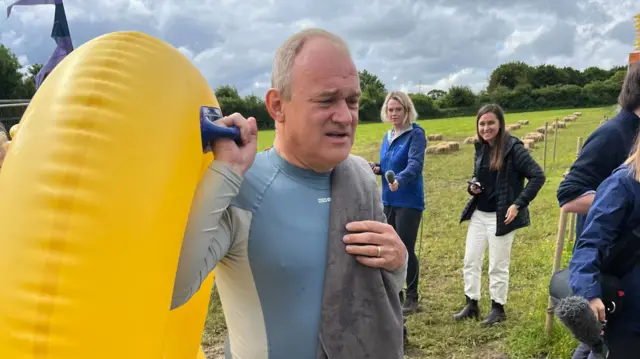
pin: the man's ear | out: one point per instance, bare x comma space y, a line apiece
274, 104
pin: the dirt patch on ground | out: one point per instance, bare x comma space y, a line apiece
215, 351
492, 350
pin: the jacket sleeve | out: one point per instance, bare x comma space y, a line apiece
208, 236
474, 176
416, 158
606, 216
528, 166
378, 163
592, 167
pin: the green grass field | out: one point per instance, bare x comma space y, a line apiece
432, 331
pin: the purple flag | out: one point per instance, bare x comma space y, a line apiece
60, 34
30, 2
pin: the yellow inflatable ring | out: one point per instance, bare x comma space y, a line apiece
95, 194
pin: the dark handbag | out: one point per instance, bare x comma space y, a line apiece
610, 286
622, 258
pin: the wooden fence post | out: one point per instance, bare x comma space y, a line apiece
572, 216
555, 140
546, 134
562, 227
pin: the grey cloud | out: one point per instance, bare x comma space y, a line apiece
374, 24
623, 32
562, 8
558, 40
404, 42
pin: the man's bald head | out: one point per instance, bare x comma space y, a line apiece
286, 54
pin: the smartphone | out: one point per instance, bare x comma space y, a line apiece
477, 184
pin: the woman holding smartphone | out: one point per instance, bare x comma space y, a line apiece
497, 208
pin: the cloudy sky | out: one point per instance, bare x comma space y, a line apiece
409, 44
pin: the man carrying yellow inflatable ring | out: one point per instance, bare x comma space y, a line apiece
306, 266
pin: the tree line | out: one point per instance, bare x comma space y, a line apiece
15, 84
516, 86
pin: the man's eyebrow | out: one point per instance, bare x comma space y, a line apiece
328, 93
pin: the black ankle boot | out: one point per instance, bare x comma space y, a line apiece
496, 315
471, 310
405, 335
410, 305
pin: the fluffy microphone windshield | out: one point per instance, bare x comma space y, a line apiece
574, 312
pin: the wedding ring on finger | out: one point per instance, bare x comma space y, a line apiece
379, 252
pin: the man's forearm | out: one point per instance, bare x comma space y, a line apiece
208, 234
579, 205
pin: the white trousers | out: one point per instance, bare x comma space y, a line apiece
481, 232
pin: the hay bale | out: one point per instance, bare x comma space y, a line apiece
471, 140
434, 137
541, 130
453, 146
523, 122
559, 124
529, 144
442, 148
535, 136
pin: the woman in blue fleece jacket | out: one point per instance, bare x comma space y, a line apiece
614, 213
402, 152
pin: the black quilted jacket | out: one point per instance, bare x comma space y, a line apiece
510, 187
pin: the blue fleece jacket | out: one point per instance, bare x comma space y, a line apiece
614, 212
604, 150
404, 155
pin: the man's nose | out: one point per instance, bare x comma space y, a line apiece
342, 113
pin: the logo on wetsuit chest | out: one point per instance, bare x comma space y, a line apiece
324, 200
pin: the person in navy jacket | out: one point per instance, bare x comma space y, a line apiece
615, 212
402, 151
593, 165
603, 151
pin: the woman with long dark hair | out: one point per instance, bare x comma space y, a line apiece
497, 208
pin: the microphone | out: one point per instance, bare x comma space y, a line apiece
390, 176
574, 312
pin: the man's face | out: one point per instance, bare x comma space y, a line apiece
322, 115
